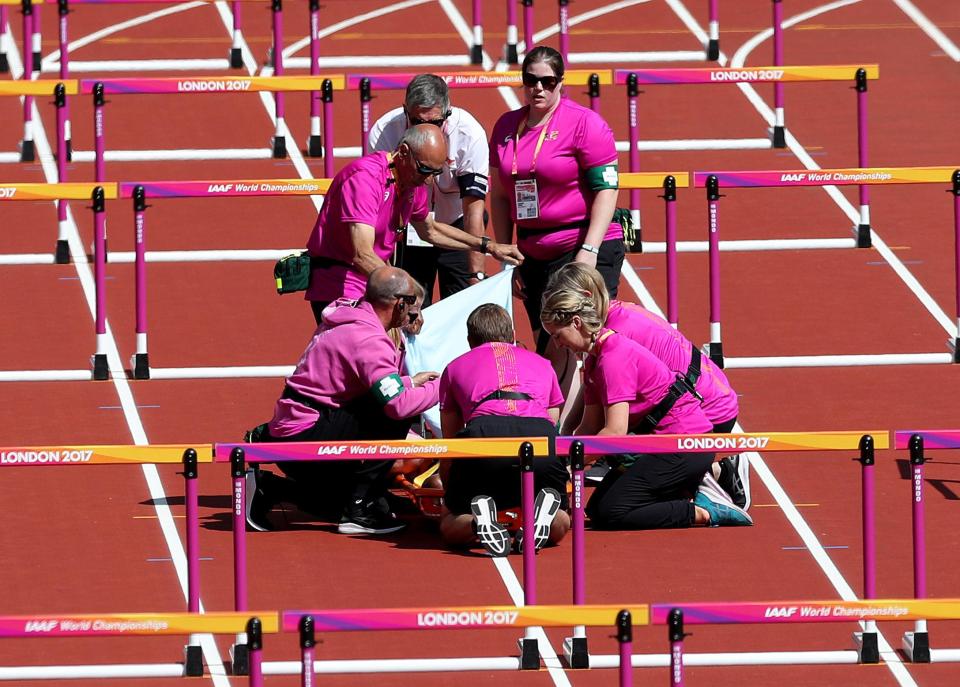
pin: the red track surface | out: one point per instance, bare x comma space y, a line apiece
80, 540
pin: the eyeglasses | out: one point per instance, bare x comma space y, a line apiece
414, 121
548, 82
427, 170
407, 298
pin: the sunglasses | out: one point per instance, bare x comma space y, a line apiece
414, 121
407, 298
428, 171
548, 82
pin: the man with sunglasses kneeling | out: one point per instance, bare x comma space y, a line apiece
366, 209
346, 387
457, 196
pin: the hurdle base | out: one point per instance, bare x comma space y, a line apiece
863, 236
916, 645
476, 54
101, 371
779, 137
279, 147
141, 366
4, 63
62, 254
315, 145
576, 652
954, 347
236, 58
511, 56
240, 659
715, 352
28, 152
867, 648
193, 661
529, 654
713, 49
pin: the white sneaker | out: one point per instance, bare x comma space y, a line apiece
545, 510
492, 535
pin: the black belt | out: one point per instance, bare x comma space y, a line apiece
293, 395
526, 232
502, 395
648, 424
693, 371
323, 262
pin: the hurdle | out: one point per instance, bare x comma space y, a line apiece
780, 612
207, 85
916, 643
238, 455
576, 650
713, 182
669, 183
634, 79
143, 191
186, 455
366, 83
126, 625
309, 622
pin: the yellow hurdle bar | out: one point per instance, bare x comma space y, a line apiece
65, 191
629, 180
41, 88
135, 624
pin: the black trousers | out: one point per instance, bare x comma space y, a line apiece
653, 493
536, 273
500, 477
328, 486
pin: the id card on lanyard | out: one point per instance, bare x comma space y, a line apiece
525, 191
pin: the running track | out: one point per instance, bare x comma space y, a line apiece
98, 539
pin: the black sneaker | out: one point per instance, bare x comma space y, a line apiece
368, 521
597, 471
256, 502
731, 481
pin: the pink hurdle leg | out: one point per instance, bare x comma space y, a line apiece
563, 21
864, 239
713, 44
528, 43
236, 50
279, 138
315, 141
476, 50
141, 360
625, 642
27, 148
529, 650
869, 648
100, 367
779, 131
713, 223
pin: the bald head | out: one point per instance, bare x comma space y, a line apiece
385, 283
426, 143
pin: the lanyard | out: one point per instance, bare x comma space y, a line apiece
536, 151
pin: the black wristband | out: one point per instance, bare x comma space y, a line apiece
484, 242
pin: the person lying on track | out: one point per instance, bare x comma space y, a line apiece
628, 390
498, 389
705, 379
347, 387
369, 199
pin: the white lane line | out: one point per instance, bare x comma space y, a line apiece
929, 28
890, 658
77, 251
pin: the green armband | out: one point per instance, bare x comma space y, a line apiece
603, 177
387, 388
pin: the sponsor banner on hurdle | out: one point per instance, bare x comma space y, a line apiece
692, 75
721, 443
375, 450
65, 191
71, 87
809, 611
652, 179
573, 77
825, 177
226, 187
213, 84
17, 456
134, 624
932, 438
464, 618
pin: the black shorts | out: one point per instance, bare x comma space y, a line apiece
500, 477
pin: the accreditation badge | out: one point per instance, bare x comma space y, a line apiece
528, 203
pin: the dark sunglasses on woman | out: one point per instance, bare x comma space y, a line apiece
549, 82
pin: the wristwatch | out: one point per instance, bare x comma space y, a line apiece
479, 276
590, 249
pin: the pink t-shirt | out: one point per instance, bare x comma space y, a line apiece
674, 350
491, 366
350, 353
623, 370
577, 139
362, 192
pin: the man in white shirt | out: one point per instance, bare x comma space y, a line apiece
457, 195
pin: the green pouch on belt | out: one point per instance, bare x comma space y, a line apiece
631, 236
292, 273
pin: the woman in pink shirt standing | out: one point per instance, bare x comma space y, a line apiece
628, 390
554, 175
